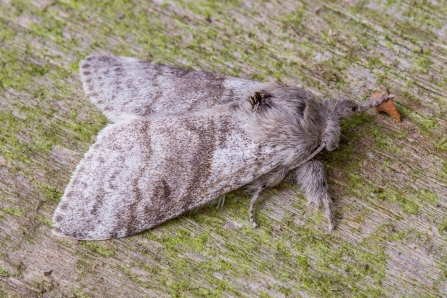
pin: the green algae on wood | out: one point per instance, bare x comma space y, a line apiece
388, 180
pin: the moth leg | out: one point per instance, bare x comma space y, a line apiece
312, 180
253, 200
257, 186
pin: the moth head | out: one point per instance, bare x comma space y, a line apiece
340, 109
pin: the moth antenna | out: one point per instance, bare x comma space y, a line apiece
345, 108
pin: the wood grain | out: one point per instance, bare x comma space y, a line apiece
389, 180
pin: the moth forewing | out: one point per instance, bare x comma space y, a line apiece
143, 172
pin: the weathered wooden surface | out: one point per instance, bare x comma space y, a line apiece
389, 180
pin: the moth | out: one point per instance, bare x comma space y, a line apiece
180, 138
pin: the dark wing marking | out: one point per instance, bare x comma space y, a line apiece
121, 85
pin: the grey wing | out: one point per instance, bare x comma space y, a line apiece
141, 173
122, 85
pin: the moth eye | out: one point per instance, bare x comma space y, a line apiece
354, 109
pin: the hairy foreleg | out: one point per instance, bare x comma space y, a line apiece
312, 179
